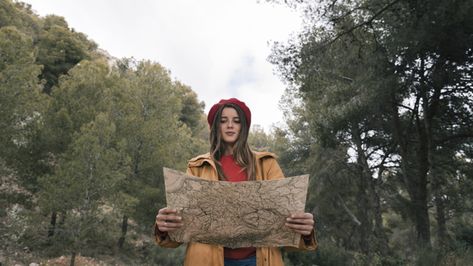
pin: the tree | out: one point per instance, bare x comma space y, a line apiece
85, 184
89, 152
158, 118
258, 139
21, 101
20, 16
79, 97
379, 75
60, 49
192, 110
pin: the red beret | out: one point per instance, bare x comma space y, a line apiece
242, 105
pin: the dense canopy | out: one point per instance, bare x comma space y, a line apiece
379, 112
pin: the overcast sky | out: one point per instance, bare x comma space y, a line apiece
217, 47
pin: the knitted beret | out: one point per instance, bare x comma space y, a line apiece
242, 105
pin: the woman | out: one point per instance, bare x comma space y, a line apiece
231, 159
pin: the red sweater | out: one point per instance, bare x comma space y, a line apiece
234, 173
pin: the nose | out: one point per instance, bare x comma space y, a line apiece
230, 123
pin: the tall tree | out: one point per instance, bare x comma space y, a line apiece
80, 96
157, 117
20, 16
21, 102
85, 183
390, 62
60, 49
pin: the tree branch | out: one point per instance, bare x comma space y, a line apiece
367, 22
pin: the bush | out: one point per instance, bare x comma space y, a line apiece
166, 256
327, 254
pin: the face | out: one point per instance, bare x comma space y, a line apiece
230, 125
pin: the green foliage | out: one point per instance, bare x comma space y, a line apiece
83, 93
166, 257
378, 110
88, 154
258, 139
147, 109
326, 255
60, 49
85, 182
380, 115
21, 102
20, 16
19, 84
192, 109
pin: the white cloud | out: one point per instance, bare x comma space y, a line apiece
219, 48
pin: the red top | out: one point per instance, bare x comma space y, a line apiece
234, 173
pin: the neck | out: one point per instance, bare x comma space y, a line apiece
228, 150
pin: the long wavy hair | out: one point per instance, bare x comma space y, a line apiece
242, 153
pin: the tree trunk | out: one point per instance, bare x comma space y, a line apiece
364, 211
422, 216
52, 225
121, 241
371, 218
73, 258
364, 206
419, 191
421, 198
414, 173
437, 191
62, 221
379, 232
441, 221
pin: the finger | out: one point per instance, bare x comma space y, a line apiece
172, 218
306, 215
299, 227
301, 221
167, 210
166, 227
169, 224
303, 230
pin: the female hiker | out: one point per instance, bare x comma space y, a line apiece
231, 159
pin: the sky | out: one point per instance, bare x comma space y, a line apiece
218, 48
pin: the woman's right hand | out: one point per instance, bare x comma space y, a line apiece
168, 220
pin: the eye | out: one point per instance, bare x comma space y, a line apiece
223, 121
236, 121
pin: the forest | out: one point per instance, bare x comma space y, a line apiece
378, 110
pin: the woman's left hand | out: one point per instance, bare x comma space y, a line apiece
301, 223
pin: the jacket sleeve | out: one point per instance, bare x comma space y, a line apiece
306, 243
163, 239
273, 171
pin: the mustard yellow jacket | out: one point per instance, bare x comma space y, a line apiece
198, 254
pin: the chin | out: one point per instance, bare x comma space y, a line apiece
230, 141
